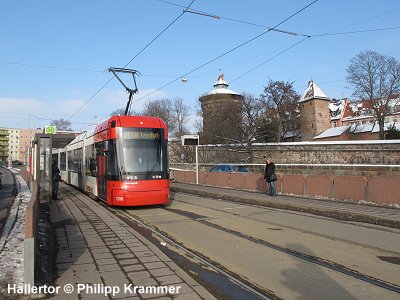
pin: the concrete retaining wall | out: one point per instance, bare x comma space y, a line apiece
337, 185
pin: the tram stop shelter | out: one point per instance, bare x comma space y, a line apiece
41, 162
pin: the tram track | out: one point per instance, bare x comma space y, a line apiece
257, 291
291, 227
306, 257
234, 278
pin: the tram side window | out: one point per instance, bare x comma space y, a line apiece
63, 161
78, 159
112, 172
90, 157
75, 160
70, 161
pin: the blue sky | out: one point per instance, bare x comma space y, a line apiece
54, 54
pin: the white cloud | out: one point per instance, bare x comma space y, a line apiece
32, 113
22, 105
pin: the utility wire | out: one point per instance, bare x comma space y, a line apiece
140, 52
365, 20
229, 51
202, 13
357, 31
318, 35
263, 63
158, 35
49, 67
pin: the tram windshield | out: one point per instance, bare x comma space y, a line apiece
142, 153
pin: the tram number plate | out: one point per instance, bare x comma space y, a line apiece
119, 198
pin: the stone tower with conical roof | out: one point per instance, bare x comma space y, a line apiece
222, 111
314, 112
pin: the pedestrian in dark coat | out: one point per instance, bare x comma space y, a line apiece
55, 179
270, 177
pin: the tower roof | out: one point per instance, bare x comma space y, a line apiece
221, 87
313, 91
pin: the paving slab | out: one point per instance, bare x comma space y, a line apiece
98, 254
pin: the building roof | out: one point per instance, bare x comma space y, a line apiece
362, 109
355, 129
336, 108
313, 91
331, 132
221, 87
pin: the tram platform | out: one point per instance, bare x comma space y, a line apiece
98, 254
348, 211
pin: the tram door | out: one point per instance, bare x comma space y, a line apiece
101, 161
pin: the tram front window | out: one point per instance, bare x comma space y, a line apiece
141, 154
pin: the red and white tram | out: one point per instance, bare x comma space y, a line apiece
123, 161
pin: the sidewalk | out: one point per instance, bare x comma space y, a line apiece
378, 215
99, 254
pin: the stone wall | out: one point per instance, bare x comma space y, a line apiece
220, 113
358, 171
344, 152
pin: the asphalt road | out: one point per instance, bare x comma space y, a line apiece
267, 247
6, 195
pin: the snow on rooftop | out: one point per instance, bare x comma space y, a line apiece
335, 131
364, 128
221, 81
221, 87
333, 106
313, 91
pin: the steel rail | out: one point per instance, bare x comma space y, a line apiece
208, 263
309, 258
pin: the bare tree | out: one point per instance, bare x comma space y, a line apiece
282, 102
375, 78
246, 124
162, 109
181, 116
252, 113
61, 124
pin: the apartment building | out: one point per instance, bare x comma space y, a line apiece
4, 138
19, 143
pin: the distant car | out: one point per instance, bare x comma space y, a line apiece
229, 168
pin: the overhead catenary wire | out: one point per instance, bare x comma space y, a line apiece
318, 35
330, 33
229, 51
211, 15
49, 67
174, 76
263, 63
356, 31
140, 52
185, 75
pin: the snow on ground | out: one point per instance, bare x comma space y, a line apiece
12, 238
